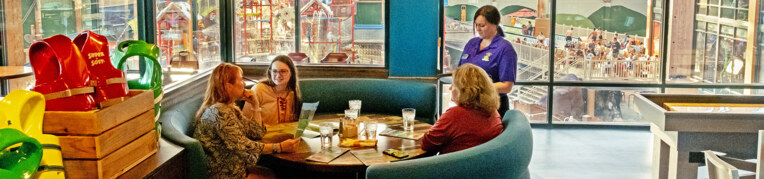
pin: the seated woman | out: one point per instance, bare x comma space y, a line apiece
473, 121
230, 141
279, 95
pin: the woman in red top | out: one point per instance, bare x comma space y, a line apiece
473, 121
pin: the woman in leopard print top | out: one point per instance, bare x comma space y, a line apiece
232, 142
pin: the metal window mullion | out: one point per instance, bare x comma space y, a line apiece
664, 46
552, 39
4, 34
226, 29
298, 26
387, 35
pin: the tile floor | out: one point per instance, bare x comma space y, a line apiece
591, 153
594, 154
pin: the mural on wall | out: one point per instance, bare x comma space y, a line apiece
614, 16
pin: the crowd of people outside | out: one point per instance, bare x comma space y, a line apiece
594, 47
622, 47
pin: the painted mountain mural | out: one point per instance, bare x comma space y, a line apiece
619, 19
513, 8
575, 20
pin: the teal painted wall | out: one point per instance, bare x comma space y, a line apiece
413, 38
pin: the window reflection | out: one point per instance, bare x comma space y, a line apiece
40, 19
522, 24
721, 46
331, 32
609, 40
188, 37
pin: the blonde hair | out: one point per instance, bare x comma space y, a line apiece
476, 90
216, 90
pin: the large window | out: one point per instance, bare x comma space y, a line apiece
721, 44
594, 42
608, 51
40, 19
263, 29
328, 32
188, 37
523, 26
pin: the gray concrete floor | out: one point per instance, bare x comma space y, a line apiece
591, 153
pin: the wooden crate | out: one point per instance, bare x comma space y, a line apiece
96, 147
96, 122
107, 142
115, 163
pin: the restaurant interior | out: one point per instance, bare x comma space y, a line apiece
660, 89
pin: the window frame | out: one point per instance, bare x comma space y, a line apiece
551, 83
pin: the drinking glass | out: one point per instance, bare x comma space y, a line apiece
371, 129
349, 124
351, 113
355, 104
408, 119
326, 130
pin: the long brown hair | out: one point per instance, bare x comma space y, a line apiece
225, 73
476, 90
291, 85
491, 14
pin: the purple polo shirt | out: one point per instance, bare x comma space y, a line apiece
499, 59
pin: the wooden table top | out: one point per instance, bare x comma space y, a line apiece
715, 107
347, 162
10, 72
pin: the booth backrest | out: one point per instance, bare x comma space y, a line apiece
378, 95
176, 127
182, 115
506, 156
387, 96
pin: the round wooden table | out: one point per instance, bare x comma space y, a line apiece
347, 162
11, 72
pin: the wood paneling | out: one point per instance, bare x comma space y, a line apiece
116, 163
96, 147
680, 37
97, 121
751, 50
14, 31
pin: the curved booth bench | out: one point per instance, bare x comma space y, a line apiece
383, 96
506, 156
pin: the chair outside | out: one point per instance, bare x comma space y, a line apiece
723, 167
718, 168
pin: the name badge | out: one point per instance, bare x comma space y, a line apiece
464, 57
487, 55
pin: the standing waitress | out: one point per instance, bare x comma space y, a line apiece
493, 53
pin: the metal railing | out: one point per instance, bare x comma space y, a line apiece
585, 32
621, 70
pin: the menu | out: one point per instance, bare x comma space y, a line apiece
327, 155
402, 134
308, 110
369, 156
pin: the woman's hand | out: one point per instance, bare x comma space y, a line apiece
250, 97
290, 145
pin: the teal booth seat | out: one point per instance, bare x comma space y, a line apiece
176, 127
378, 96
385, 96
506, 156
